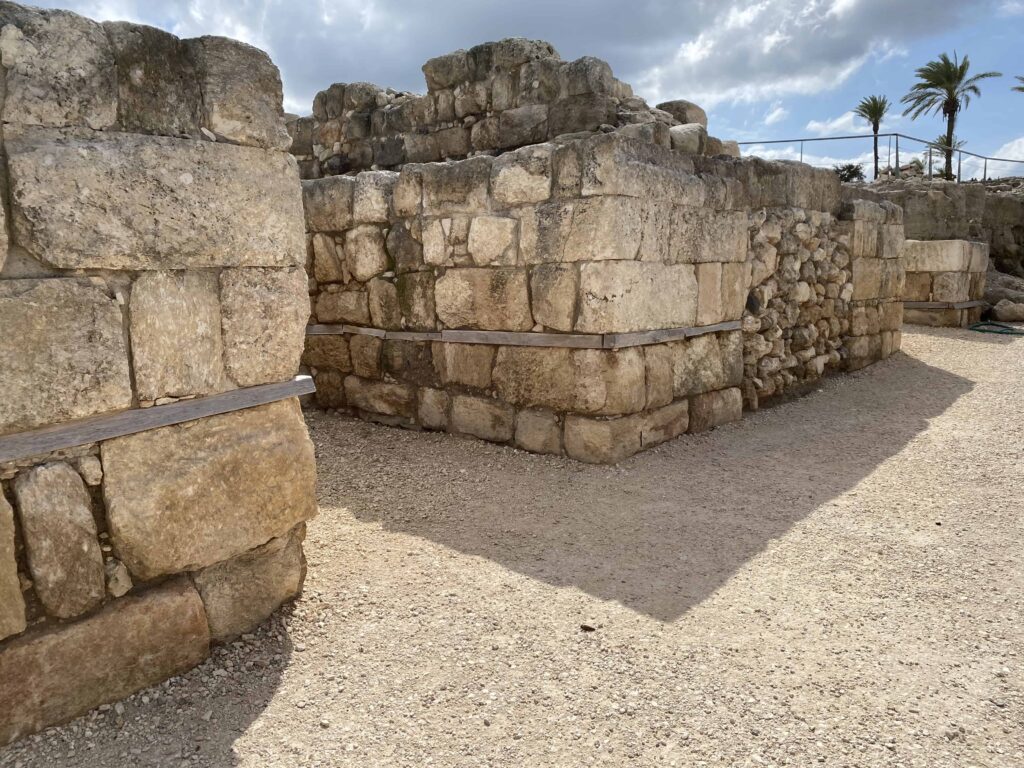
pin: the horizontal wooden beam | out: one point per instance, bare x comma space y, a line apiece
944, 304
530, 339
56, 437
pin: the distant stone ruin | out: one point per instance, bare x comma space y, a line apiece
155, 470
590, 281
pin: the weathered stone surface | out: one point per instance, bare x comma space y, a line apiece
172, 493
59, 69
951, 286
689, 139
918, 286
623, 296
327, 352
365, 352
602, 441
330, 389
127, 201
712, 409
343, 307
707, 362
432, 408
242, 95
538, 432
867, 278
685, 112
1009, 312
493, 241
381, 397
328, 259
240, 593
664, 423
467, 365
484, 299
157, 81
700, 234
60, 539
554, 289
658, 362
133, 643
12, 603
264, 322
175, 322
523, 176
62, 353
593, 381
409, 361
936, 256
482, 417
459, 187
385, 309
372, 196
329, 203
119, 581
416, 300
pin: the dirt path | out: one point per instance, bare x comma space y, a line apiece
835, 581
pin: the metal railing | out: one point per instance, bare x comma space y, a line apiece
932, 148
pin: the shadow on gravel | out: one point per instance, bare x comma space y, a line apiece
662, 531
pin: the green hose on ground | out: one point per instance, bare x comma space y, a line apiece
993, 327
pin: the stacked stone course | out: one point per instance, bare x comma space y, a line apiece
949, 275
151, 254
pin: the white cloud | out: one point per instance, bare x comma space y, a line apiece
777, 114
974, 168
1012, 8
846, 123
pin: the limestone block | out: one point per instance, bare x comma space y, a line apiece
385, 309
328, 260
404, 249
951, 286
66, 326
381, 397
330, 389
60, 539
135, 642
329, 203
59, 69
706, 363
554, 289
664, 423
623, 296
372, 196
538, 432
240, 593
327, 353
593, 229
432, 406
484, 299
157, 81
523, 176
658, 362
655, 133
493, 241
127, 201
864, 239
731, 148
416, 300
410, 361
918, 286
459, 187
713, 409
867, 278
448, 70
523, 125
890, 241
242, 95
407, 194
343, 307
702, 235
688, 139
610, 164
936, 256
175, 322
482, 417
685, 112
582, 112
264, 322
891, 279
190, 495
602, 441
977, 254
593, 381
1009, 312
365, 353
12, 604
863, 350
977, 289
467, 365
435, 242
365, 253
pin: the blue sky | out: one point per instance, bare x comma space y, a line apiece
764, 69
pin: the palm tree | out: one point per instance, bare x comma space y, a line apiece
943, 87
942, 144
873, 109
1020, 87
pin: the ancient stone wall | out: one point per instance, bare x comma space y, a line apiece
493, 97
151, 273
945, 281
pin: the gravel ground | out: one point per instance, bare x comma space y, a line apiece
833, 581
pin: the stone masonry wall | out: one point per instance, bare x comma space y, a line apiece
151, 252
945, 272
493, 97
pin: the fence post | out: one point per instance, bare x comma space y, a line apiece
897, 155
959, 165
801, 151
985, 175
929, 163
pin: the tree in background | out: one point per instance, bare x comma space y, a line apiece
1020, 87
943, 87
849, 172
873, 109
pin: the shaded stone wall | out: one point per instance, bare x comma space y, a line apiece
493, 97
945, 272
151, 254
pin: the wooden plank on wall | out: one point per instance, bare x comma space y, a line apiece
515, 339
944, 304
110, 425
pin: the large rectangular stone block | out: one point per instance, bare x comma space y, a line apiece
62, 352
936, 256
92, 200
190, 495
624, 296
703, 235
484, 299
134, 642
